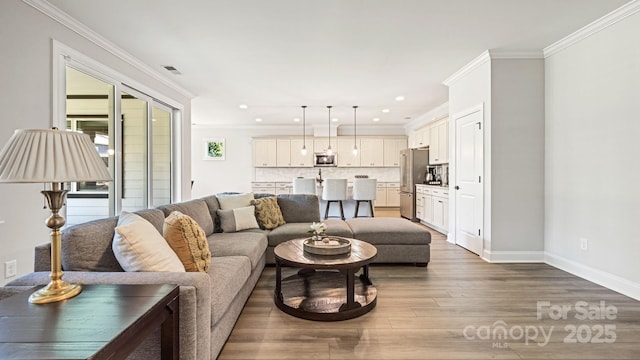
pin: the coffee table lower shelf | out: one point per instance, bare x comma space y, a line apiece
322, 295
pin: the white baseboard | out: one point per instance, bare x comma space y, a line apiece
513, 256
610, 281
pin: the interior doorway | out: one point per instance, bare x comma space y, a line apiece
469, 182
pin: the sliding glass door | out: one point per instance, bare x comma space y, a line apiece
132, 133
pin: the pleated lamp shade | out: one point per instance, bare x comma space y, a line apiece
42, 155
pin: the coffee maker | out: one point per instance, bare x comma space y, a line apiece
432, 176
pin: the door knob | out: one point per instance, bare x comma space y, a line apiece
457, 187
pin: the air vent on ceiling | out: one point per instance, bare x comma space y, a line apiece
172, 69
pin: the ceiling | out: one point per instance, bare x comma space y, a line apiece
277, 55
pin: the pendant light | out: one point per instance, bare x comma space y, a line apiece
329, 150
303, 151
355, 147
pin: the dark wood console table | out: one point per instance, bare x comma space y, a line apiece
102, 322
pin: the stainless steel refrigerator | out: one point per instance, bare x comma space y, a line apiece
413, 165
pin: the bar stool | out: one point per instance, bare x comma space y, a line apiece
304, 186
364, 190
334, 190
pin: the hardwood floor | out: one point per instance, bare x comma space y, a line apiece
453, 309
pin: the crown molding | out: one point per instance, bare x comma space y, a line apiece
483, 58
74, 25
516, 54
595, 27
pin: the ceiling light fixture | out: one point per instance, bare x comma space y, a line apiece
296, 119
243, 106
355, 147
376, 119
385, 110
335, 119
329, 150
258, 119
400, 98
303, 151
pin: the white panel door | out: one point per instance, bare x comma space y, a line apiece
468, 187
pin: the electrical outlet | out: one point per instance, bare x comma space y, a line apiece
10, 269
584, 244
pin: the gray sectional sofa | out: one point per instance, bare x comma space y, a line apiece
210, 303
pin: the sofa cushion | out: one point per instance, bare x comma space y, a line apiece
213, 206
233, 201
299, 208
396, 231
268, 212
287, 232
250, 243
139, 247
338, 227
197, 209
188, 240
228, 275
87, 246
238, 219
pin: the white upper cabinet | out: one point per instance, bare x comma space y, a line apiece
346, 158
439, 143
371, 152
297, 159
264, 152
322, 144
420, 137
283, 150
392, 149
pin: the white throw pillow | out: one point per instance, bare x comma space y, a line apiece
238, 219
138, 246
234, 201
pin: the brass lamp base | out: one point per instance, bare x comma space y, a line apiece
55, 291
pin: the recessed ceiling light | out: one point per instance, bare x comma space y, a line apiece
385, 110
258, 119
376, 119
296, 119
243, 106
400, 98
335, 119
407, 117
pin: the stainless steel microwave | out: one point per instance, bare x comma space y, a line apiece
324, 159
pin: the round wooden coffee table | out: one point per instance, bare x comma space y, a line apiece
325, 288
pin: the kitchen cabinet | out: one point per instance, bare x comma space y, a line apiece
419, 202
322, 144
381, 195
391, 149
283, 153
440, 200
346, 158
393, 194
264, 152
263, 187
432, 203
299, 160
439, 143
371, 152
420, 137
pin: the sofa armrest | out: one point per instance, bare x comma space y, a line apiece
195, 300
42, 260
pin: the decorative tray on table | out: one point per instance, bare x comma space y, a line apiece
330, 245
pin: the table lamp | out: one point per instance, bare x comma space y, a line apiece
56, 157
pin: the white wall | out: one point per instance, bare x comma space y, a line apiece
25, 98
468, 91
517, 158
592, 169
512, 92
